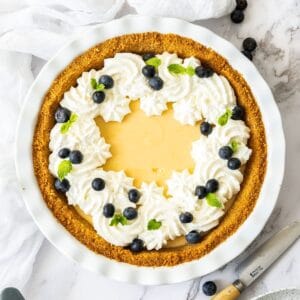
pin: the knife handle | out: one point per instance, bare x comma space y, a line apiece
231, 292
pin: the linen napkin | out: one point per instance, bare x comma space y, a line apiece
38, 28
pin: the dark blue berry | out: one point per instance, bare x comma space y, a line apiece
248, 54
64, 152
137, 245
249, 44
134, 195
238, 113
148, 71
62, 115
11, 293
225, 152
130, 213
98, 97
107, 81
200, 191
203, 72
108, 210
193, 237
156, 83
241, 4
98, 184
186, 217
209, 288
237, 16
62, 185
147, 56
206, 128
212, 185
233, 163
76, 157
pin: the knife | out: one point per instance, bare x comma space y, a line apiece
261, 260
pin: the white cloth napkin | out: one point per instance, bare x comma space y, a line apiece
39, 28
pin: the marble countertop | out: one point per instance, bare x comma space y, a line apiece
275, 25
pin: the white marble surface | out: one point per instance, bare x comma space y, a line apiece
275, 25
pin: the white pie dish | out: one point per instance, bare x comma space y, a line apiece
64, 241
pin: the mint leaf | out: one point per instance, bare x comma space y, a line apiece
64, 168
190, 71
153, 61
234, 145
224, 118
97, 86
213, 200
118, 219
66, 126
153, 225
176, 69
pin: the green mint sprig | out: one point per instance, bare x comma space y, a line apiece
64, 168
97, 86
177, 69
153, 225
66, 126
225, 117
118, 219
213, 200
153, 61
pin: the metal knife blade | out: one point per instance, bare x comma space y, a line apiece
268, 253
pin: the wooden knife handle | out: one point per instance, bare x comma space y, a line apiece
229, 293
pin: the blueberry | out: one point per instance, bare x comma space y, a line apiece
134, 195
62, 186
233, 163
200, 191
137, 245
209, 288
186, 217
148, 56
212, 185
241, 4
203, 72
148, 71
98, 184
63, 152
108, 210
156, 83
249, 44
98, 97
206, 128
193, 237
107, 81
62, 115
237, 16
76, 157
238, 113
225, 152
248, 54
130, 213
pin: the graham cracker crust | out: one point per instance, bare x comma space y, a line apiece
143, 43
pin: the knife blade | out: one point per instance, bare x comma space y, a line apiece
261, 260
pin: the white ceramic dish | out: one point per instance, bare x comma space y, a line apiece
285, 294
71, 247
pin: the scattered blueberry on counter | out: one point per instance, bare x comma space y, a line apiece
98, 184
108, 210
137, 245
186, 217
241, 4
233, 163
98, 97
62, 186
134, 195
193, 237
62, 115
76, 157
64, 153
225, 152
203, 72
212, 185
200, 191
209, 288
107, 81
249, 45
248, 54
130, 213
237, 16
156, 83
206, 128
